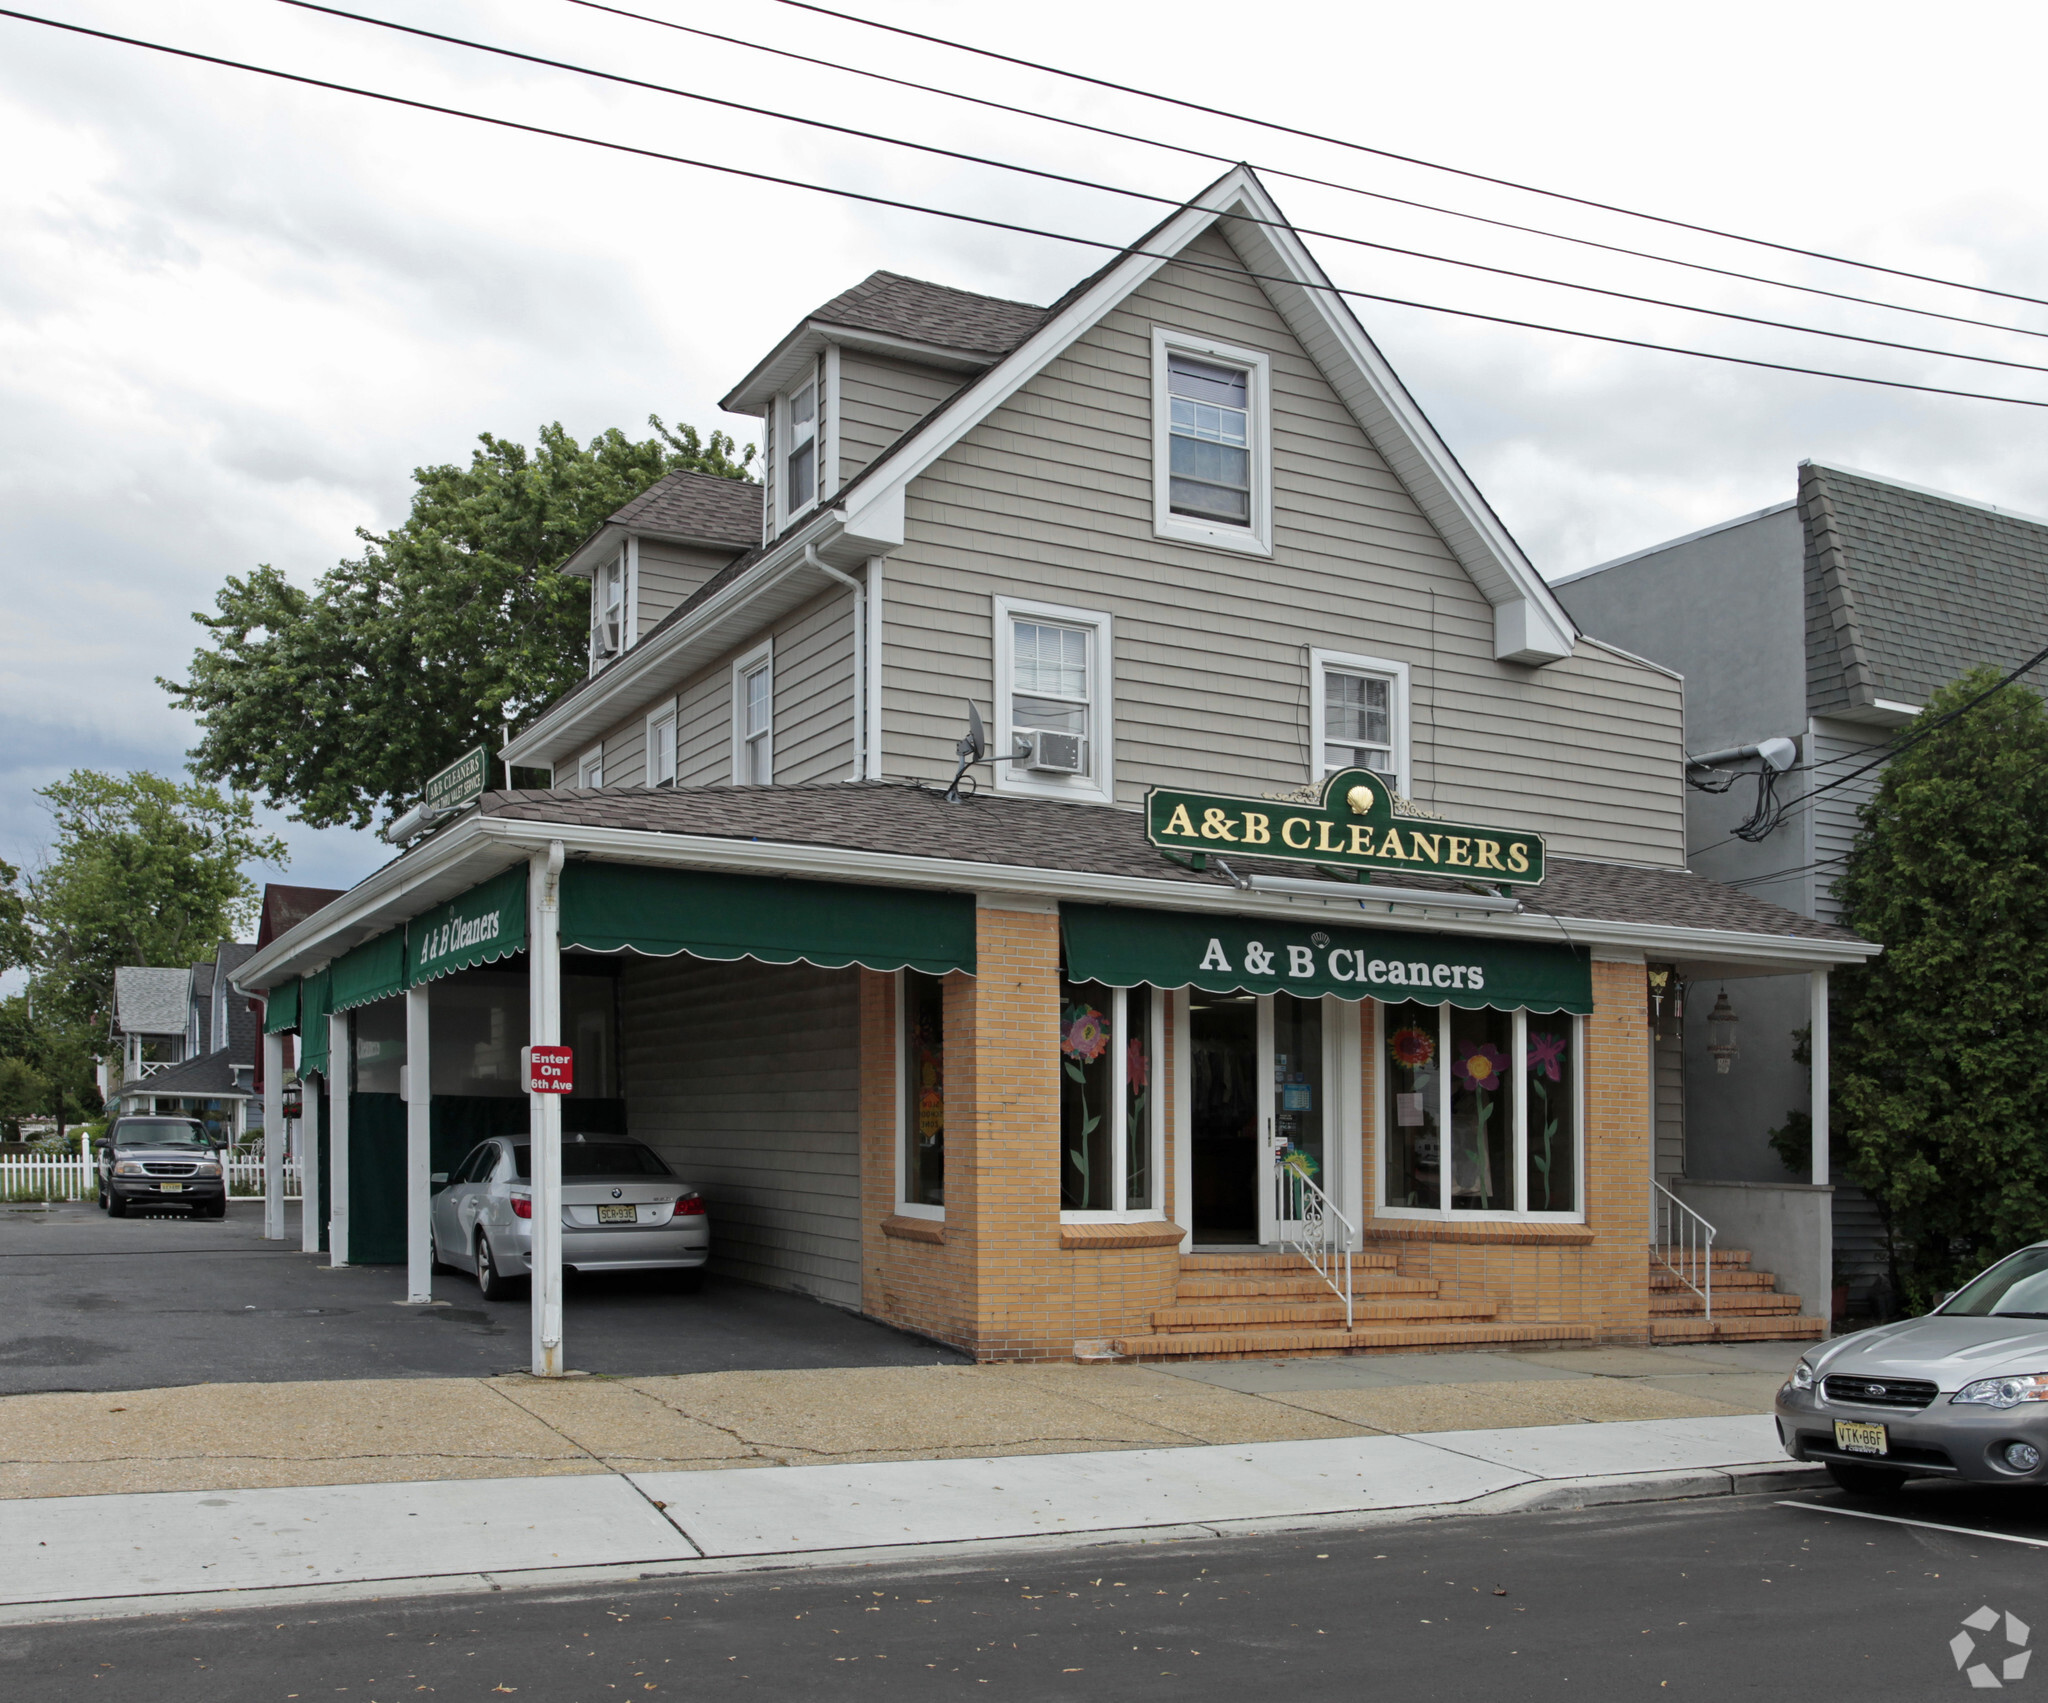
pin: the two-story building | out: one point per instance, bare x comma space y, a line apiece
1304, 898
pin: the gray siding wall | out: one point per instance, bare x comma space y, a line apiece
880, 400
1669, 1062
1831, 818
669, 574
746, 1078
1051, 497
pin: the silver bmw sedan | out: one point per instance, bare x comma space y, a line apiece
622, 1210
1960, 1393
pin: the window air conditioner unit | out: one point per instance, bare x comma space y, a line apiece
1053, 753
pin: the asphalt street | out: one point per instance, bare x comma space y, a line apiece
96, 1303
1719, 1599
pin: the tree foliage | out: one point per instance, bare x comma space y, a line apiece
333, 702
1941, 1043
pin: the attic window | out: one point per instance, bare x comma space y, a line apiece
608, 610
1211, 445
800, 467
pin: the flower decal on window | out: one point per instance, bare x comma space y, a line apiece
1085, 1035
1481, 1067
1546, 1054
1412, 1048
1137, 1067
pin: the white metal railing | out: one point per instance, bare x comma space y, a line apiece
1311, 1225
68, 1176
1685, 1243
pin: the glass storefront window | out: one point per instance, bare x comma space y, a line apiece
1139, 1088
1109, 1099
1482, 1110
1552, 1114
1298, 1110
477, 1027
924, 1089
378, 1035
1412, 1124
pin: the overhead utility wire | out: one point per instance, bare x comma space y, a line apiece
1891, 751
995, 164
1404, 159
1098, 243
1300, 177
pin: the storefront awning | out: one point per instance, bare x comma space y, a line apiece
487, 923
374, 970
1125, 947
610, 907
281, 1008
316, 994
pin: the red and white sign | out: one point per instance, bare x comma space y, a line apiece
550, 1070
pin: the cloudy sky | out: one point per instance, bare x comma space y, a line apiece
235, 313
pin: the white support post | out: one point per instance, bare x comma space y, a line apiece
544, 1129
339, 1068
1817, 1015
309, 1168
273, 1138
419, 1160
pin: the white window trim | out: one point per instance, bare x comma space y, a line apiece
630, 615
785, 437
1518, 1158
1345, 662
590, 767
828, 424
1098, 786
762, 654
626, 561
671, 712
1256, 539
906, 1208
1120, 1113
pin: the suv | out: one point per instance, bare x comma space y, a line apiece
160, 1161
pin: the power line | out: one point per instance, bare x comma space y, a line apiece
887, 140
1273, 171
1011, 226
1404, 159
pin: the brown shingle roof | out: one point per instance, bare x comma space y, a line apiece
698, 505
895, 306
1029, 833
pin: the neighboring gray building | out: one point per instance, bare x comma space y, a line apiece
188, 1043
1827, 621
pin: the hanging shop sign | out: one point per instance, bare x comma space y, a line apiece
463, 781
487, 923
550, 1070
1125, 946
1353, 827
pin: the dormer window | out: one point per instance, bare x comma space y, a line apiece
800, 455
608, 611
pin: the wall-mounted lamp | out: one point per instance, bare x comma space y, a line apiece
1721, 1023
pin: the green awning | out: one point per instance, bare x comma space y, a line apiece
316, 994
281, 1008
487, 923
374, 970
614, 907
1126, 947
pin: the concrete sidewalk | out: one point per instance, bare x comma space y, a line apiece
119, 1555
217, 1437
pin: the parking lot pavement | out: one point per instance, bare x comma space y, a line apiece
94, 1303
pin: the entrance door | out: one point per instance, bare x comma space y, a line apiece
1259, 1089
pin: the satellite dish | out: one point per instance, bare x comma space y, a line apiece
970, 750
1778, 754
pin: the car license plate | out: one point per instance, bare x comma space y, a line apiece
631, 1215
172, 1188
1856, 1438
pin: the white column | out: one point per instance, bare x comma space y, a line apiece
873, 681
1817, 1015
544, 1129
419, 1160
339, 1067
273, 1138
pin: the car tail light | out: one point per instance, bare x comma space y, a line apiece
522, 1205
689, 1206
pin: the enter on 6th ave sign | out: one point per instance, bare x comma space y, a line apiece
550, 1070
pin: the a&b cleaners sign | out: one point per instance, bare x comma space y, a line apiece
1354, 827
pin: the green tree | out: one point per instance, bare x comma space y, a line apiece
17, 940
333, 702
1941, 1043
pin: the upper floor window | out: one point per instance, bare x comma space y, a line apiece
661, 746
800, 451
1212, 474
608, 610
590, 769
1052, 700
1358, 714
753, 718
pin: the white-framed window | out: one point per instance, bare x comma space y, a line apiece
1053, 673
590, 767
800, 449
753, 717
661, 746
921, 1106
1112, 1133
610, 597
1358, 716
1481, 1113
1212, 458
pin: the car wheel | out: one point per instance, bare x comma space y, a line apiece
103, 1195
219, 1209
1860, 1480
116, 1206
491, 1283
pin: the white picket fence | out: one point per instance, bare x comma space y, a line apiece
68, 1176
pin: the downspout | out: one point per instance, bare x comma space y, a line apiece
860, 625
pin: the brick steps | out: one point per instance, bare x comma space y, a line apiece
1364, 1339
1362, 1283
1261, 1263
1745, 1327
1747, 1305
1328, 1312
1732, 1279
1738, 1257
1748, 1302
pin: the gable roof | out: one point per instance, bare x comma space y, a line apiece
284, 908
1908, 588
151, 1001
696, 508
